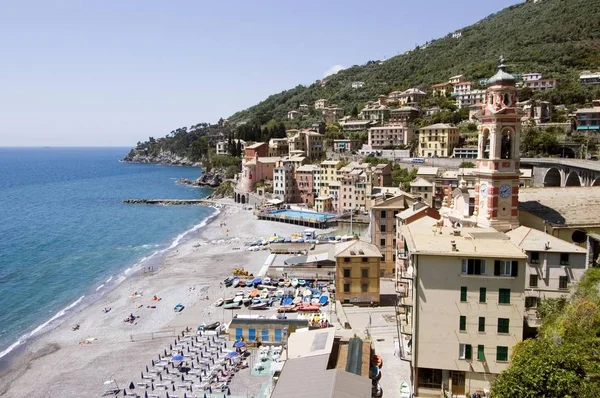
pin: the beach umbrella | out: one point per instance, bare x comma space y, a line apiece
167, 394
184, 395
228, 391
232, 354
171, 347
131, 386
145, 394
142, 375
146, 368
204, 395
173, 385
124, 393
152, 386
240, 344
182, 379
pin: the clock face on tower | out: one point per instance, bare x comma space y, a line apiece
483, 190
505, 191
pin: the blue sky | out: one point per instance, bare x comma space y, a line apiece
113, 72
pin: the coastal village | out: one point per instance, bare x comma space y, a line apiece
438, 278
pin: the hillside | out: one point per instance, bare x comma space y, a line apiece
555, 37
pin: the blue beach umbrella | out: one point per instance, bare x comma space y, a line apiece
240, 344
232, 354
177, 358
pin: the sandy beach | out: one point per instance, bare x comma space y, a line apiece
57, 364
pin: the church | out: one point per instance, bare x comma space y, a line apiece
471, 280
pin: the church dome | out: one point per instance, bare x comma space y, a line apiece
501, 76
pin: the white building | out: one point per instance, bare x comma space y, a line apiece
358, 84
222, 148
473, 97
390, 135
587, 77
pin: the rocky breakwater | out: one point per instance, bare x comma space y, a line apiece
166, 201
163, 157
209, 179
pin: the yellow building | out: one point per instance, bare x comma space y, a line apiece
383, 229
357, 265
437, 140
329, 171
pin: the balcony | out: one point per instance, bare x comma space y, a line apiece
532, 318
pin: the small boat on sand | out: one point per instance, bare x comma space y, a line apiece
297, 300
308, 308
323, 300
279, 293
242, 283
256, 281
294, 282
249, 282
246, 300
219, 302
287, 301
280, 283
287, 282
256, 300
259, 306
254, 293
264, 293
236, 282
237, 299
228, 300
227, 282
301, 282
287, 308
232, 306
266, 280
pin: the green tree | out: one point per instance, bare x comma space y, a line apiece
467, 164
354, 112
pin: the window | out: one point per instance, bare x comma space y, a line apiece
563, 282
463, 294
480, 353
346, 259
506, 268
533, 281
346, 288
465, 351
382, 228
473, 266
382, 242
364, 287
481, 327
383, 214
482, 294
346, 272
462, 324
364, 260
501, 354
503, 324
531, 302
535, 258
564, 258
504, 296
364, 272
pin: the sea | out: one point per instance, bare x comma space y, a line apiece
66, 238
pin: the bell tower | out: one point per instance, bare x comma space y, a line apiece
497, 190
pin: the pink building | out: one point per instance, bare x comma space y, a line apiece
260, 149
305, 180
255, 170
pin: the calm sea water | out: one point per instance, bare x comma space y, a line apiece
66, 237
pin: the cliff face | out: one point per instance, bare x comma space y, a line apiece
164, 157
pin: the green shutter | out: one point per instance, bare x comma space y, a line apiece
503, 325
463, 293
468, 351
482, 324
501, 354
463, 323
480, 353
482, 294
504, 296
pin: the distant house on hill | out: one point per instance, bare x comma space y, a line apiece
293, 115
358, 84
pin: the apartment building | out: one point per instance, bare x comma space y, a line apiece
321, 103
256, 170
589, 118
357, 125
383, 228
411, 97
222, 147
390, 135
332, 114
375, 111
423, 189
357, 266
308, 182
406, 114
346, 145
329, 169
457, 79
464, 300
462, 87
305, 142
258, 149
284, 182
540, 84
437, 140
441, 89
552, 266
279, 147
353, 190
469, 98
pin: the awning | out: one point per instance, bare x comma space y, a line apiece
588, 128
275, 202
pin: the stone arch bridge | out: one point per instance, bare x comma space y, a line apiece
556, 172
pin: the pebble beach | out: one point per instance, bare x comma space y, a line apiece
75, 363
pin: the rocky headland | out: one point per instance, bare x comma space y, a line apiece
164, 158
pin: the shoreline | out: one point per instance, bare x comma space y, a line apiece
93, 294
56, 362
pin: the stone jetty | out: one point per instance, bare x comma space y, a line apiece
168, 201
